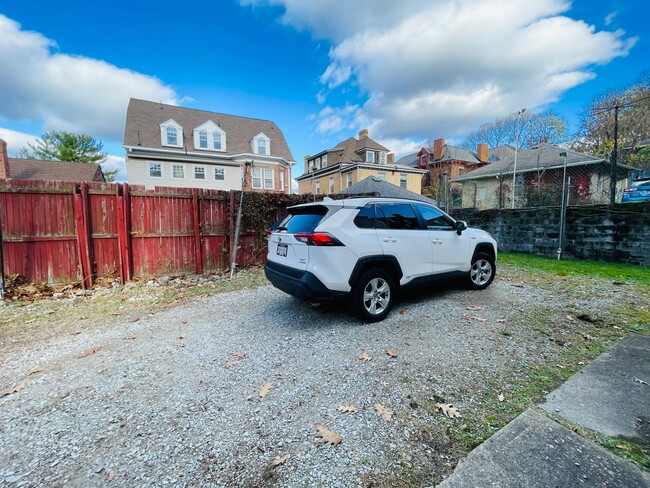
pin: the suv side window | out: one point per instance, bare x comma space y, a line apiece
396, 216
434, 219
365, 219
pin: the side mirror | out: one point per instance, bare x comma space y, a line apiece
461, 225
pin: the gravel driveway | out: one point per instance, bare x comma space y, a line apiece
174, 398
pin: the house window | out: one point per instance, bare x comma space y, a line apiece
370, 157
257, 178
324, 160
317, 163
403, 180
261, 146
219, 174
281, 179
155, 170
381, 175
203, 139
178, 171
269, 184
331, 184
216, 139
199, 173
172, 139
481, 194
349, 180
318, 188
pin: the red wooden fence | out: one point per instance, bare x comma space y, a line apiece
61, 231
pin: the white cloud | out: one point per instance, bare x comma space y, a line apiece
609, 18
116, 163
16, 140
67, 92
332, 120
438, 68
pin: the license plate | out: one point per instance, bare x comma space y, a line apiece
282, 250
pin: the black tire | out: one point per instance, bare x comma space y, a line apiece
373, 295
482, 271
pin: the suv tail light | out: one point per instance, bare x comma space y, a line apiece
317, 239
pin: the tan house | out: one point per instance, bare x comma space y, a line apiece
352, 161
175, 146
37, 169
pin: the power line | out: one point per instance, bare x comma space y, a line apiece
624, 105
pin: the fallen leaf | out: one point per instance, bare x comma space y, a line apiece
130, 338
561, 367
77, 332
266, 388
237, 354
616, 327
183, 321
448, 409
327, 436
383, 412
37, 370
570, 318
81, 317
365, 357
640, 381
111, 475
501, 397
402, 312
347, 409
480, 319
12, 390
230, 364
88, 352
587, 337
182, 336
475, 308
391, 352
180, 344
280, 461
623, 446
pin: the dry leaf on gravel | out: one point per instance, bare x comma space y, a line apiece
238, 354
623, 447
347, 409
88, 352
448, 410
111, 475
391, 352
328, 436
182, 336
587, 337
266, 388
500, 320
638, 380
12, 390
180, 344
129, 338
279, 461
383, 412
501, 397
570, 318
365, 357
480, 319
403, 312
230, 364
475, 308
34, 371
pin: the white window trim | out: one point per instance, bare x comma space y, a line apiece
266, 187
282, 176
210, 128
370, 157
171, 123
348, 180
223, 172
318, 188
261, 178
178, 177
161, 170
268, 144
331, 184
199, 166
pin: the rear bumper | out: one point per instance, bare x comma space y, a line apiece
300, 284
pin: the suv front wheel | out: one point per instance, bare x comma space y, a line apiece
482, 271
373, 295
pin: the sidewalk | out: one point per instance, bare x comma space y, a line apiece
534, 451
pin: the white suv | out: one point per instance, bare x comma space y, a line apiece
364, 250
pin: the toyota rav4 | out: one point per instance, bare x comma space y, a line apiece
364, 250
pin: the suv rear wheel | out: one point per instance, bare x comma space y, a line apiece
373, 295
482, 271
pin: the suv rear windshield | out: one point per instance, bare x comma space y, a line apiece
302, 219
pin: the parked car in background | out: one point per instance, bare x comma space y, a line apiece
638, 191
364, 250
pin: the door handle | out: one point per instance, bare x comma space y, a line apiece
388, 239
437, 241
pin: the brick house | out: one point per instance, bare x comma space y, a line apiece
37, 169
352, 161
175, 146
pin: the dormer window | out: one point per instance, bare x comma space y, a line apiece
209, 137
324, 160
370, 157
171, 134
261, 144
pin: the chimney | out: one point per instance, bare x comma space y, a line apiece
363, 133
482, 152
4, 160
391, 158
438, 144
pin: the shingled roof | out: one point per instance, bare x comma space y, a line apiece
372, 184
143, 119
347, 151
36, 169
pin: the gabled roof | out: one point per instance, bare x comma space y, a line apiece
372, 184
143, 121
458, 154
36, 169
543, 156
500, 152
348, 151
411, 160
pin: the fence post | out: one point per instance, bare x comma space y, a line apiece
123, 231
231, 225
84, 245
197, 232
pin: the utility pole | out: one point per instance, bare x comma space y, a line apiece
514, 169
613, 172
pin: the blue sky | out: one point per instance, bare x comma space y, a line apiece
410, 71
